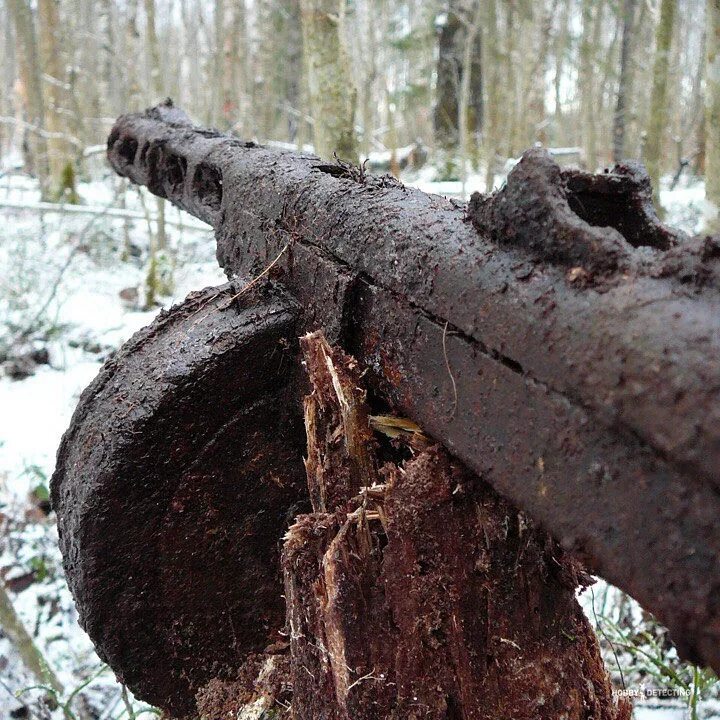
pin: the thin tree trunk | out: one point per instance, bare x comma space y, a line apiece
217, 100
712, 113
332, 94
31, 91
449, 71
657, 122
60, 159
469, 59
512, 72
29, 653
561, 43
153, 51
156, 91
625, 82
587, 80
492, 64
370, 68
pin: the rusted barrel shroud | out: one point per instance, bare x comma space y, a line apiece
554, 336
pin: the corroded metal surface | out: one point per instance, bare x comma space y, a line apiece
179, 474
564, 345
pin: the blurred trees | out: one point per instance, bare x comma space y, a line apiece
624, 93
657, 122
612, 78
29, 90
712, 114
332, 93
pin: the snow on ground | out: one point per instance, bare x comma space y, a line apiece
84, 321
62, 275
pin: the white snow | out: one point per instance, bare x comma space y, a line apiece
91, 320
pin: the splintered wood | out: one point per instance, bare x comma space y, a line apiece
413, 590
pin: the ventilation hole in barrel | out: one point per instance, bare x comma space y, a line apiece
112, 139
155, 182
143, 153
126, 149
207, 185
174, 170
618, 202
166, 170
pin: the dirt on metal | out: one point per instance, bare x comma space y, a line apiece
180, 472
560, 343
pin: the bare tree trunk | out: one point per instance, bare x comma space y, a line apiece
587, 76
657, 122
332, 94
60, 157
156, 89
370, 75
29, 653
625, 82
217, 99
449, 71
492, 62
712, 114
471, 63
31, 92
153, 51
232, 62
561, 42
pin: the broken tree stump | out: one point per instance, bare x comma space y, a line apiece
426, 595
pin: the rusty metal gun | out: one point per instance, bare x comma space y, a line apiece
554, 336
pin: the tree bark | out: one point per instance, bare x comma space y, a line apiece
28, 60
60, 156
620, 118
416, 595
492, 60
459, 66
469, 118
657, 122
712, 114
587, 82
158, 240
332, 94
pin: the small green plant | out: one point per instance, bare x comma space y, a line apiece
448, 168
67, 190
38, 564
647, 645
66, 704
159, 280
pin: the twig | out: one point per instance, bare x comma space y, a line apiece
108, 211
127, 703
607, 639
257, 278
369, 676
55, 286
447, 365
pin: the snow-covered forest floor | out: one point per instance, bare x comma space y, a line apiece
71, 286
